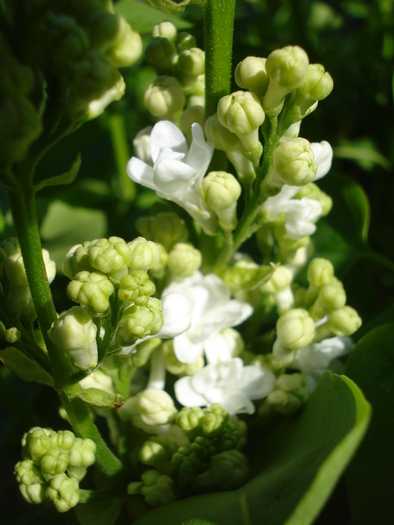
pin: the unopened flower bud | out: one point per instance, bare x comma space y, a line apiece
165, 29
189, 418
221, 191
289, 394
164, 228
127, 47
37, 442
110, 256
286, 69
63, 492
159, 54
294, 163
157, 488
164, 97
295, 329
12, 335
152, 453
136, 288
141, 144
312, 191
74, 332
320, 272
144, 254
251, 74
156, 407
331, 297
228, 471
184, 260
31, 483
185, 41
83, 453
91, 289
192, 62
317, 85
344, 321
139, 322
54, 462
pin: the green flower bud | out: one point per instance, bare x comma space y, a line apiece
31, 483
12, 335
221, 191
318, 83
212, 424
251, 74
185, 41
186, 461
289, 395
157, 489
37, 442
312, 191
156, 407
228, 471
164, 98
203, 447
164, 228
144, 254
69, 41
160, 54
189, 418
165, 29
136, 288
63, 492
191, 62
280, 279
127, 48
77, 473
286, 69
91, 289
331, 297
54, 462
63, 439
229, 438
295, 329
344, 321
159, 270
320, 272
139, 322
74, 332
111, 256
184, 260
294, 162
152, 454
82, 453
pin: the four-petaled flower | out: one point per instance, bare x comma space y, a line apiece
177, 170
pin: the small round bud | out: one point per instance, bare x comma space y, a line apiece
127, 47
139, 322
164, 97
295, 329
156, 407
251, 74
280, 279
241, 112
289, 395
164, 228
294, 162
320, 272
110, 256
222, 138
220, 189
331, 297
318, 83
229, 469
74, 332
158, 489
144, 254
344, 321
37, 443
159, 54
184, 260
185, 41
192, 62
152, 453
91, 289
63, 439
189, 418
141, 144
83, 453
165, 29
54, 462
63, 492
136, 288
31, 483
12, 335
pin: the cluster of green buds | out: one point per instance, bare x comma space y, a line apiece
320, 312
287, 398
61, 71
53, 465
203, 456
181, 81
14, 285
108, 276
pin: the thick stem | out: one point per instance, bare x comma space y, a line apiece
219, 28
125, 186
23, 208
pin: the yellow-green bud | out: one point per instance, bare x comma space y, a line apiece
63, 492
344, 321
54, 462
189, 418
74, 332
110, 256
127, 48
158, 271
241, 112
12, 335
221, 191
192, 62
184, 260
136, 288
286, 69
139, 322
317, 85
165, 29
91, 289
157, 489
31, 483
156, 407
63, 439
295, 329
144, 254
185, 41
312, 191
320, 272
159, 54
83, 453
331, 297
289, 395
37, 442
164, 228
164, 98
251, 74
152, 453
294, 162
280, 279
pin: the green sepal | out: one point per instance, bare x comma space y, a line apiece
100, 399
65, 178
239, 278
24, 367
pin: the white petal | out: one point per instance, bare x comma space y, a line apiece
323, 154
186, 395
177, 308
256, 382
173, 177
185, 350
200, 152
165, 134
217, 349
238, 403
141, 145
141, 173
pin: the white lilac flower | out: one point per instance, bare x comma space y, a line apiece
300, 214
231, 384
212, 310
176, 170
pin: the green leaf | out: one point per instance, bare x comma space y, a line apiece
64, 178
295, 468
64, 226
238, 278
104, 512
100, 399
24, 367
370, 475
142, 17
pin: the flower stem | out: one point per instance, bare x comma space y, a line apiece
125, 186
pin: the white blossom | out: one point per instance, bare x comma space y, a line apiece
231, 384
212, 310
176, 171
300, 214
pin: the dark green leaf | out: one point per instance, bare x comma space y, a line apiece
298, 468
104, 512
370, 475
142, 17
22, 366
64, 178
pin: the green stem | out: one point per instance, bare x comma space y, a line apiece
219, 28
23, 208
125, 186
82, 423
